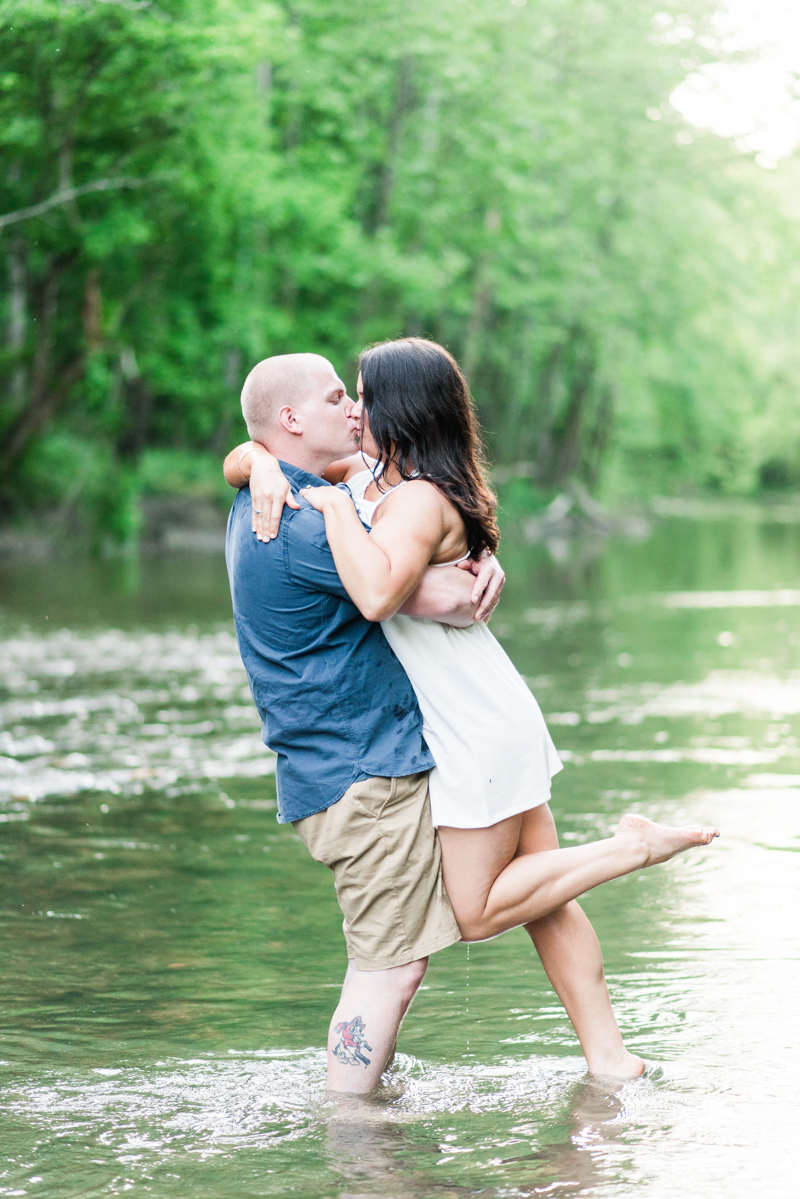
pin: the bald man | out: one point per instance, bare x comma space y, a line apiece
340, 713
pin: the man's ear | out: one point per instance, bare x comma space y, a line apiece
289, 419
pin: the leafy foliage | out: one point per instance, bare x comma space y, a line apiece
219, 180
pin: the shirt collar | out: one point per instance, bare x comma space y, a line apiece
301, 478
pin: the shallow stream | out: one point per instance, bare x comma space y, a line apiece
171, 955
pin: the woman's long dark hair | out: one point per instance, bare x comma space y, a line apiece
422, 420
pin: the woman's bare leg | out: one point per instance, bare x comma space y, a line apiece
572, 959
513, 874
492, 891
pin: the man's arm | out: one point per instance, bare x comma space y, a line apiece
457, 596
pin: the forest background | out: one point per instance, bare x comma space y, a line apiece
187, 186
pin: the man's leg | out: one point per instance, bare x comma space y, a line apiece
364, 1028
571, 956
381, 846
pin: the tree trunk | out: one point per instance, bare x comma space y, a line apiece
599, 437
568, 432
137, 411
44, 399
544, 415
481, 300
403, 98
17, 314
93, 311
513, 443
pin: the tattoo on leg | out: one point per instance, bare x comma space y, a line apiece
352, 1042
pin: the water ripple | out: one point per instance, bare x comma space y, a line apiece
171, 692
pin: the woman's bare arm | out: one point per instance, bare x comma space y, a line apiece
270, 490
232, 466
381, 569
344, 469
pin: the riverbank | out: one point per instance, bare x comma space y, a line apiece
196, 524
167, 524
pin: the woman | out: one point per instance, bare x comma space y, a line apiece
418, 485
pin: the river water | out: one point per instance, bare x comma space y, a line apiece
171, 955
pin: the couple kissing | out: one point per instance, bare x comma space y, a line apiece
412, 758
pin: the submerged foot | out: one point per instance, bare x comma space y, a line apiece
621, 1064
660, 842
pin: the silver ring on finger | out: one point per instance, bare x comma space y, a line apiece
258, 511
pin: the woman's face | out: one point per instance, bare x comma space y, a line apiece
365, 442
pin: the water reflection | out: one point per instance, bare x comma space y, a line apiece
377, 1156
171, 954
557, 1128
117, 712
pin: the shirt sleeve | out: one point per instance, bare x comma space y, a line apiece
309, 561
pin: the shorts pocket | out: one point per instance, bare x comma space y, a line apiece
373, 795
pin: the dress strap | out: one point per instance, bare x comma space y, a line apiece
386, 494
455, 562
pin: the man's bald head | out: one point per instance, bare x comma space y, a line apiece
281, 381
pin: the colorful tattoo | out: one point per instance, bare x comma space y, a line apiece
352, 1042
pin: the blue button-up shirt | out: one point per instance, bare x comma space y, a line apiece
336, 705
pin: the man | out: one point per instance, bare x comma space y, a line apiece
340, 713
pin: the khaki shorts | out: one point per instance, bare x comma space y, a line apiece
387, 866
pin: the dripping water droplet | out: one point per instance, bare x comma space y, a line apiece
467, 990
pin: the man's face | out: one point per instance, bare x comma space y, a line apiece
327, 415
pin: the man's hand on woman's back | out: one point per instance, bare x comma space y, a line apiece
490, 579
458, 595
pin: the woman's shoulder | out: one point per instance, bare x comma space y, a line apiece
420, 504
416, 495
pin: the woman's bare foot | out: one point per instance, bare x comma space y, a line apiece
621, 1064
660, 842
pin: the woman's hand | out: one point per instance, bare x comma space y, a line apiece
326, 499
269, 491
490, 579
380, 569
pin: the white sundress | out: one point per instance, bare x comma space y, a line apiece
494, 755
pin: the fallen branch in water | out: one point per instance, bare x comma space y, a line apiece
575, 511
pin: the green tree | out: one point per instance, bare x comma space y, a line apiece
115, 124
191, 186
